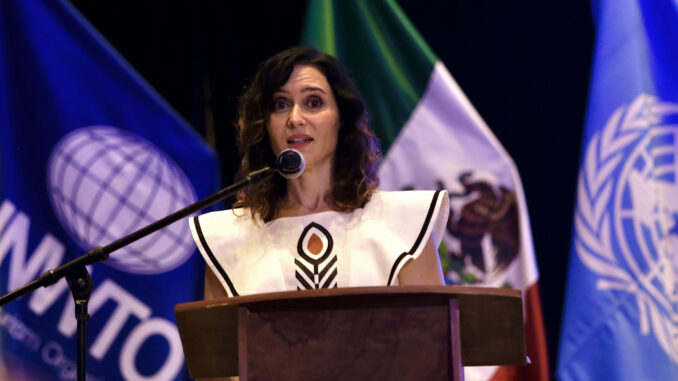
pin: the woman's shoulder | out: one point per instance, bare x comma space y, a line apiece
224, 223
414, 198
226, 215
405, 210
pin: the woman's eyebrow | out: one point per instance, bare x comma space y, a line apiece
313, 88
304, 90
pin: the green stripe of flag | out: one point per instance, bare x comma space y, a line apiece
388, 57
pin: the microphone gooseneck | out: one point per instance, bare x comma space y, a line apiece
290, 163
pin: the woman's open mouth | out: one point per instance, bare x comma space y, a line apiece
297, 142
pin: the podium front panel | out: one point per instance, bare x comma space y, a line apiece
384, 343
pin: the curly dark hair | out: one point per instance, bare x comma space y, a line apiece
353, 181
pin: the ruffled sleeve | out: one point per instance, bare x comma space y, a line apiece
222, 237
397, 226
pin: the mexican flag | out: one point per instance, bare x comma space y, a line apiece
433, 138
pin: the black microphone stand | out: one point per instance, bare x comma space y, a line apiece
79, 280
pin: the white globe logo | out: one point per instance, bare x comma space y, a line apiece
105, 183
627, 213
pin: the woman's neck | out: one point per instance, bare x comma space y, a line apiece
309, 193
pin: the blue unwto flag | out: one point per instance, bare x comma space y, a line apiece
621, 312
89, 153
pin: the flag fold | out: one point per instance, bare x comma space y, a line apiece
621, 309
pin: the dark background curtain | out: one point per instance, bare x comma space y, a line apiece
523, 64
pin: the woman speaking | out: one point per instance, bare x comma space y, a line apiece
329, 227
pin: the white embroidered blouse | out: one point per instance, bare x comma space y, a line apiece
366, 247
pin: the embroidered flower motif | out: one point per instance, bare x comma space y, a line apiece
316, 266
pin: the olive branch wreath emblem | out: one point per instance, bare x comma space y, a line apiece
593, 217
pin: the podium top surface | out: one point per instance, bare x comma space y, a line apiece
368, 294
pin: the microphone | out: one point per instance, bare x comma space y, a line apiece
290, 163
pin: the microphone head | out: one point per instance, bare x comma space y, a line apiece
290, 163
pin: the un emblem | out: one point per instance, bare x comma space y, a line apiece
105, 183
626, 221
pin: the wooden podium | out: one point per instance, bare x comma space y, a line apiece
365, 333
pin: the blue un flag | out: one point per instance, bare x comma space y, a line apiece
621, 311
90, 153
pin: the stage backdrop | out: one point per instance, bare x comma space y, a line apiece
89, 153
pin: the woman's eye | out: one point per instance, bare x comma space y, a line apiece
280, 104
315, 102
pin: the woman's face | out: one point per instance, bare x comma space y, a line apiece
305, 117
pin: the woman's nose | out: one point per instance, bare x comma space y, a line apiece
296, 117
